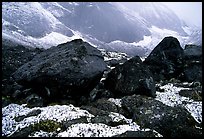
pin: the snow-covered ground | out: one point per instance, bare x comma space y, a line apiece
172, 98
57, 113
60, 113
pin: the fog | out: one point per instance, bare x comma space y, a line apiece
190, 12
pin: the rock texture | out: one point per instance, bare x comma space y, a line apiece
132, 77
192, 63
166, 59
153, 114
120, 101
70, 69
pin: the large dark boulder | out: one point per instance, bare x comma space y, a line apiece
71, 69
168, 121
132, 77
166, 59
192, 63
193, 52
15, 55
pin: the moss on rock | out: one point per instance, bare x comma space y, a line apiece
47, 125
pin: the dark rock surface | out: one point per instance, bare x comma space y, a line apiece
24, 132
70, 74
70, 69
105, 119
68, 123
137, 134
32, 113
132, 77
166, 59
192, 63
100, 92
115, 62
95, 111
194, 94
15, 55
193, 52
153, 114
104, 104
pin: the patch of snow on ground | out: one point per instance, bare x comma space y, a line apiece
172, 98
57, 113
195, 108
94, 130
60, 113
116, 101
99, 130
41, 134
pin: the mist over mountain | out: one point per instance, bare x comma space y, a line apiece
135, 30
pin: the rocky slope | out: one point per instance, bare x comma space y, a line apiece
91, 95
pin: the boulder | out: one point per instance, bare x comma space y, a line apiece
32, 113
95, 111
166, 59
132, 77
71, 69
168, 121
108, 120
192, 63
115, 62
100, 92
194, 94
68, 123
193, 52
104, 104
15, 55
137, 134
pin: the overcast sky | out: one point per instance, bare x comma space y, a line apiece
189, 11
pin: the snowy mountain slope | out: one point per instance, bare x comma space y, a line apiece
31, 18
157, 14
135, 31
92, 18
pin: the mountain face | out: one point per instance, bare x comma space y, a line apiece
102, 20
135, 30
157, 15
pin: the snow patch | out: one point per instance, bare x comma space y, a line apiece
172, 98
57, 113
116, 101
